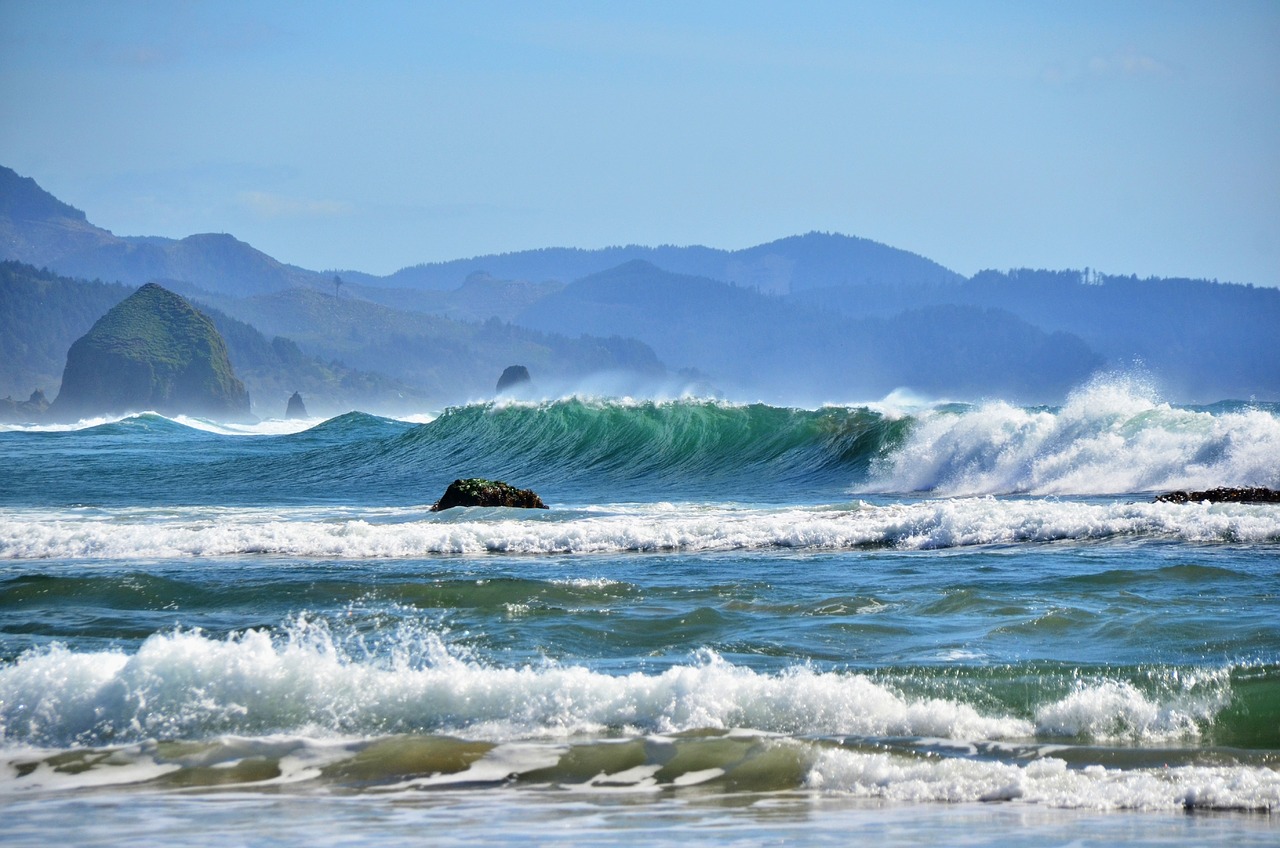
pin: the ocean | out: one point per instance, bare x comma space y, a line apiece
911, 622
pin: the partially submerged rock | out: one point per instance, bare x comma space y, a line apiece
1257, 494
477, 491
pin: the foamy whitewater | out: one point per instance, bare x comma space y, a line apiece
899, 621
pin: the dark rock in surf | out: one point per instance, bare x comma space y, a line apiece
1257, 494
477, 491
296, 409
512, 377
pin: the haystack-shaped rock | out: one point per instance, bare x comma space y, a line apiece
152, 351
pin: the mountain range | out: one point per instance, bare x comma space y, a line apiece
804, 319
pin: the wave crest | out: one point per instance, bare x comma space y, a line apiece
304, 679
1111, 437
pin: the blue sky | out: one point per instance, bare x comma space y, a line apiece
1130, 137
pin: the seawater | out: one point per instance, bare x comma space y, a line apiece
922, 624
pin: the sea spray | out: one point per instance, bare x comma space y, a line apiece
306, 679
1112, 437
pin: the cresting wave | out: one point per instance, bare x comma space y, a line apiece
395, 533
1112, 437
678, 446
188, 685
304, 708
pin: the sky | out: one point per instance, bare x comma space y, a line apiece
1128, 137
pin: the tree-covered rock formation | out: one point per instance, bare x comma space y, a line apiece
152, 351
512, 377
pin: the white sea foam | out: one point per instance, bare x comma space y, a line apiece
405, 533
83, 424
266, 427
417, 418
1111, 437
307, 700
1117, 710
186, 684
1046, 781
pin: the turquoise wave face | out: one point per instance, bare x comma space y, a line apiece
569, 450
1106, 440
700, 450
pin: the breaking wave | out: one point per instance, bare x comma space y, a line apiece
1110, 438
406, 533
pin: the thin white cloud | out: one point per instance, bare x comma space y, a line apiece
1128, 63
1123, 64
268, 205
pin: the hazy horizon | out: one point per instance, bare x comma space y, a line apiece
1132, 138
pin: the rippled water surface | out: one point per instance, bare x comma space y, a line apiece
961, 625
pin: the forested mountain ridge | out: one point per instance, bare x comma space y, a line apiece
782, 350
788, 264
41, 314
449, 359
1200, 340
802, 319
38, 229
341, 353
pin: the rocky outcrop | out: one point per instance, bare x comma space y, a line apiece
296, 408
1223, 495
476, 491
513, 376
24, 411
152, 351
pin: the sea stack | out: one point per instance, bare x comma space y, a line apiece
24, 411
513, 376
151, 351
296, 409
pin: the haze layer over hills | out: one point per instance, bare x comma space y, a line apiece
803, 320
